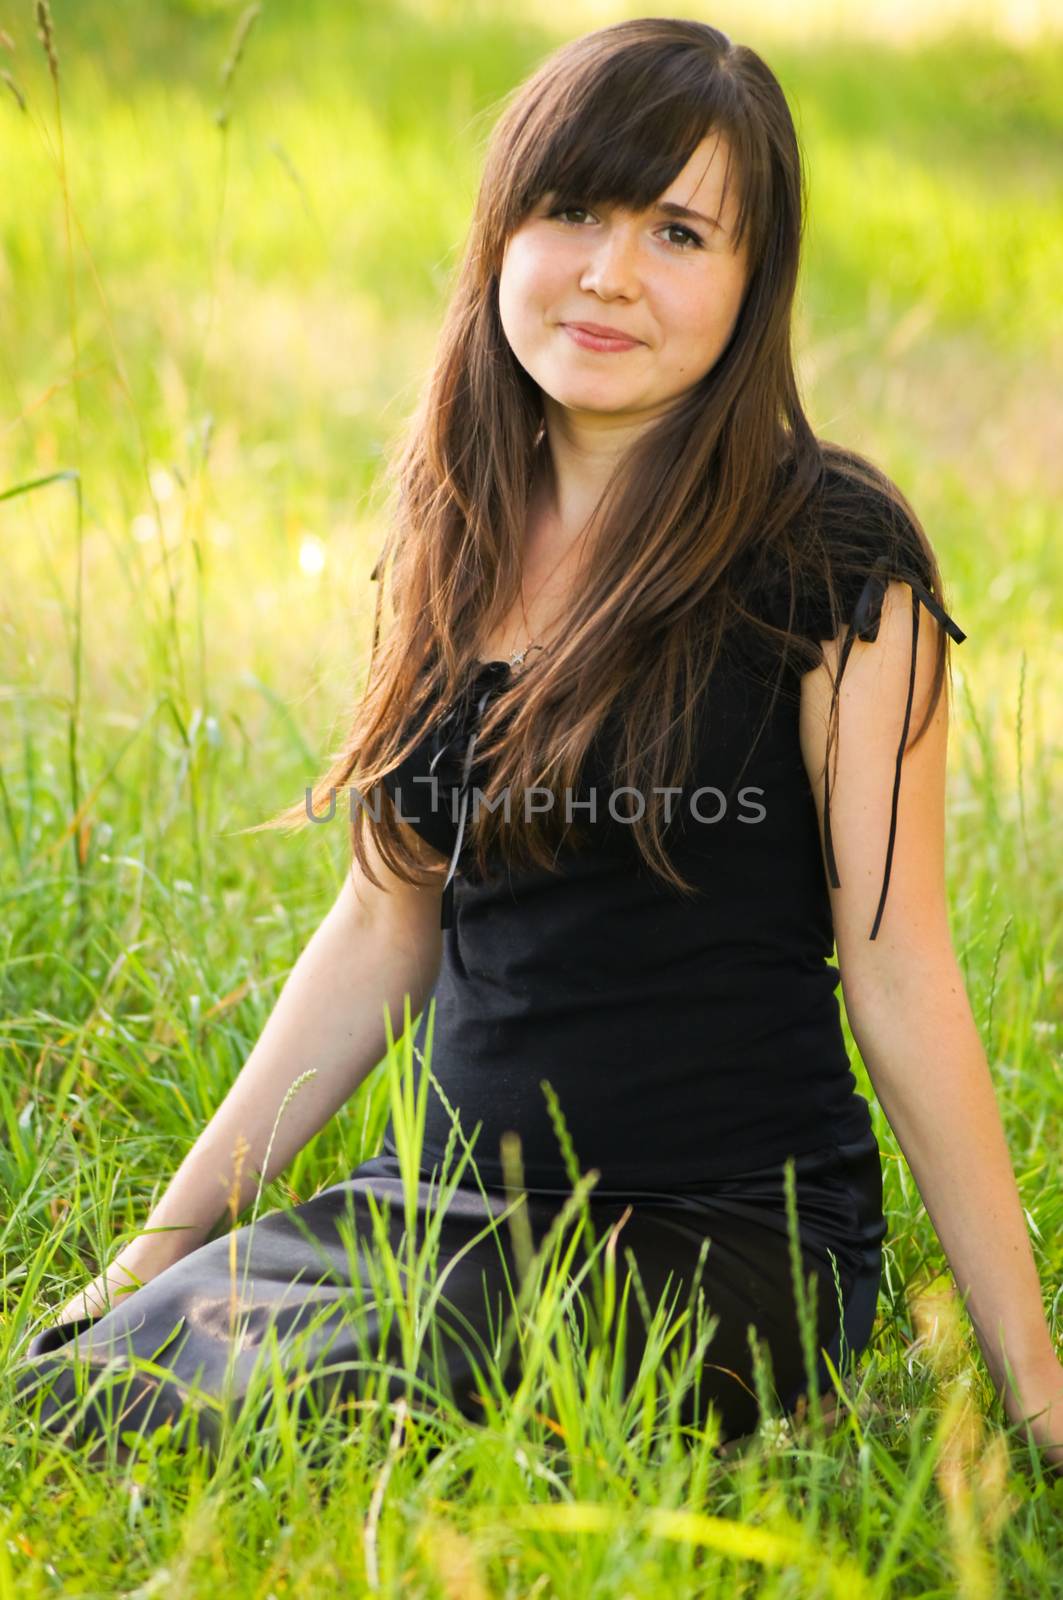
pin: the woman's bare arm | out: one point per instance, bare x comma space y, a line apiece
372, 948
906, 1000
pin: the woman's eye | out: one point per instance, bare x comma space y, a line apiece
695, 240
675, 227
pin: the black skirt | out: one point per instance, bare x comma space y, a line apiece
190, 1340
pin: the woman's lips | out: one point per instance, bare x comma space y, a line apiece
597, 341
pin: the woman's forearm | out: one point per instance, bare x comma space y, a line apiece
329, 1021
923, 1053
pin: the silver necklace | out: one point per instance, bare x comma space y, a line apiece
517, 658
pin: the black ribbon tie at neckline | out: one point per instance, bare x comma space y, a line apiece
461, 725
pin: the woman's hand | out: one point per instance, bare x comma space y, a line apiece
100, 1295
1039, 1403
143, 1259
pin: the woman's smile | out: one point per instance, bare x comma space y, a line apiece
589, 336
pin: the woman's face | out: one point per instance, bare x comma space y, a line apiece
671, 283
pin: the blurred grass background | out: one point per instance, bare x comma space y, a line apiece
218, 293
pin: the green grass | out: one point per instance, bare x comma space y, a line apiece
249, 310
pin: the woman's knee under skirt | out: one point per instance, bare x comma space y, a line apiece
301, 1293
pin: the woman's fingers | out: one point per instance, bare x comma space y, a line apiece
56, 1335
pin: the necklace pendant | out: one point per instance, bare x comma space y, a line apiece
517, 658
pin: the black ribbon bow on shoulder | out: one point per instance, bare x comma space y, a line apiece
863, 624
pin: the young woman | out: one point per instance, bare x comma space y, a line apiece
657, 662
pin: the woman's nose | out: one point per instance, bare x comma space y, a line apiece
612, 265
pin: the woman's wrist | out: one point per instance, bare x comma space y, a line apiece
1034, 1379
1037, 1365
153, 1250
1023, 1349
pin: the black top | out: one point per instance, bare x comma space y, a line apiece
685, 1038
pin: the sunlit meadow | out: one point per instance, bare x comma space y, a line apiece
227, 236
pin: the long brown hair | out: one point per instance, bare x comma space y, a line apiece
729, 483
